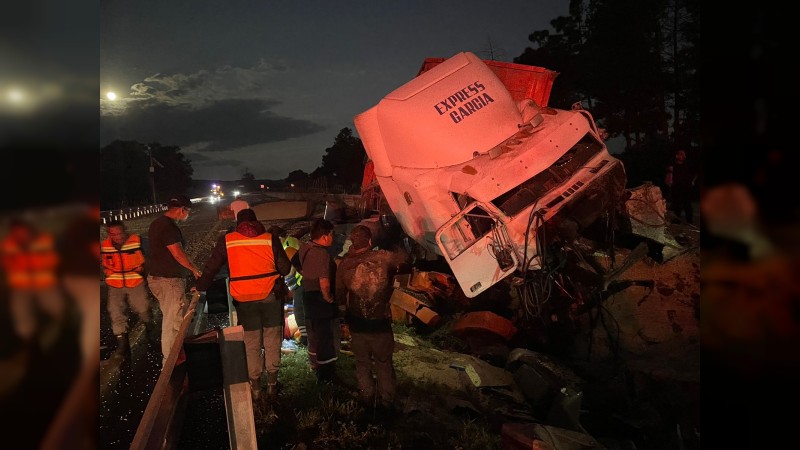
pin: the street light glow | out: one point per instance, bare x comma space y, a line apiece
111, 96
15, 95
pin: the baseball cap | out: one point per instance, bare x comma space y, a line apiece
179, 201
246, 215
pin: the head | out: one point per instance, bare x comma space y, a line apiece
361, 237
246, 215
116, 232
179, 207
680, 156
322, 232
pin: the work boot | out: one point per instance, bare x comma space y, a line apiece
326, 374
255, 389
272, 383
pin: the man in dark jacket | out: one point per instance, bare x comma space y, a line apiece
681, 178
257, 264
363, 287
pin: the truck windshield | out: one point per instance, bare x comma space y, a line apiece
520, 197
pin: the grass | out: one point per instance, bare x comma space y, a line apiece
306, 415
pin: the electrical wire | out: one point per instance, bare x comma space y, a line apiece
536, 293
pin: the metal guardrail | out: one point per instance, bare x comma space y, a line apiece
157, 428
130, 213
136, 211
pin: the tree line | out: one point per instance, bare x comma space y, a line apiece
125, 174
633, 64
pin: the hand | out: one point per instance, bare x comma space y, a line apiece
193, 290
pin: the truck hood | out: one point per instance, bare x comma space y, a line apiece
532, 150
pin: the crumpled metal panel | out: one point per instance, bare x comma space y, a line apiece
646, 210
485, 321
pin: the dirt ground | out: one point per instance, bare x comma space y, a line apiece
634, 363
635, 359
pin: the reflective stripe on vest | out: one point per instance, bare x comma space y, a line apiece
252, 266
122, 266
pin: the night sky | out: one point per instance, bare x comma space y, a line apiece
267, 85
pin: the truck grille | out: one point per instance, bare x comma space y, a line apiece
520, 197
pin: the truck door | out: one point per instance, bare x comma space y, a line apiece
476, 245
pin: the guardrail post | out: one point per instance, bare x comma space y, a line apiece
236, 387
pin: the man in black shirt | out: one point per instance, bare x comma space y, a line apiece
319, 276
167, 264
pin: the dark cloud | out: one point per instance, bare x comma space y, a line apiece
199, 159
221, 124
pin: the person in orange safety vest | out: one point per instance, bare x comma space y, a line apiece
30, 260
257, 265
123, 264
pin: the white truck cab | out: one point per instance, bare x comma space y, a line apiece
478, 170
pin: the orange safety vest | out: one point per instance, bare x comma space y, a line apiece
32, 266
123, 266
252, 266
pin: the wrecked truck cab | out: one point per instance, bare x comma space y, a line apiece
475, 167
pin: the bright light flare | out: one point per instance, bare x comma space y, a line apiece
111, 96
16, 96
